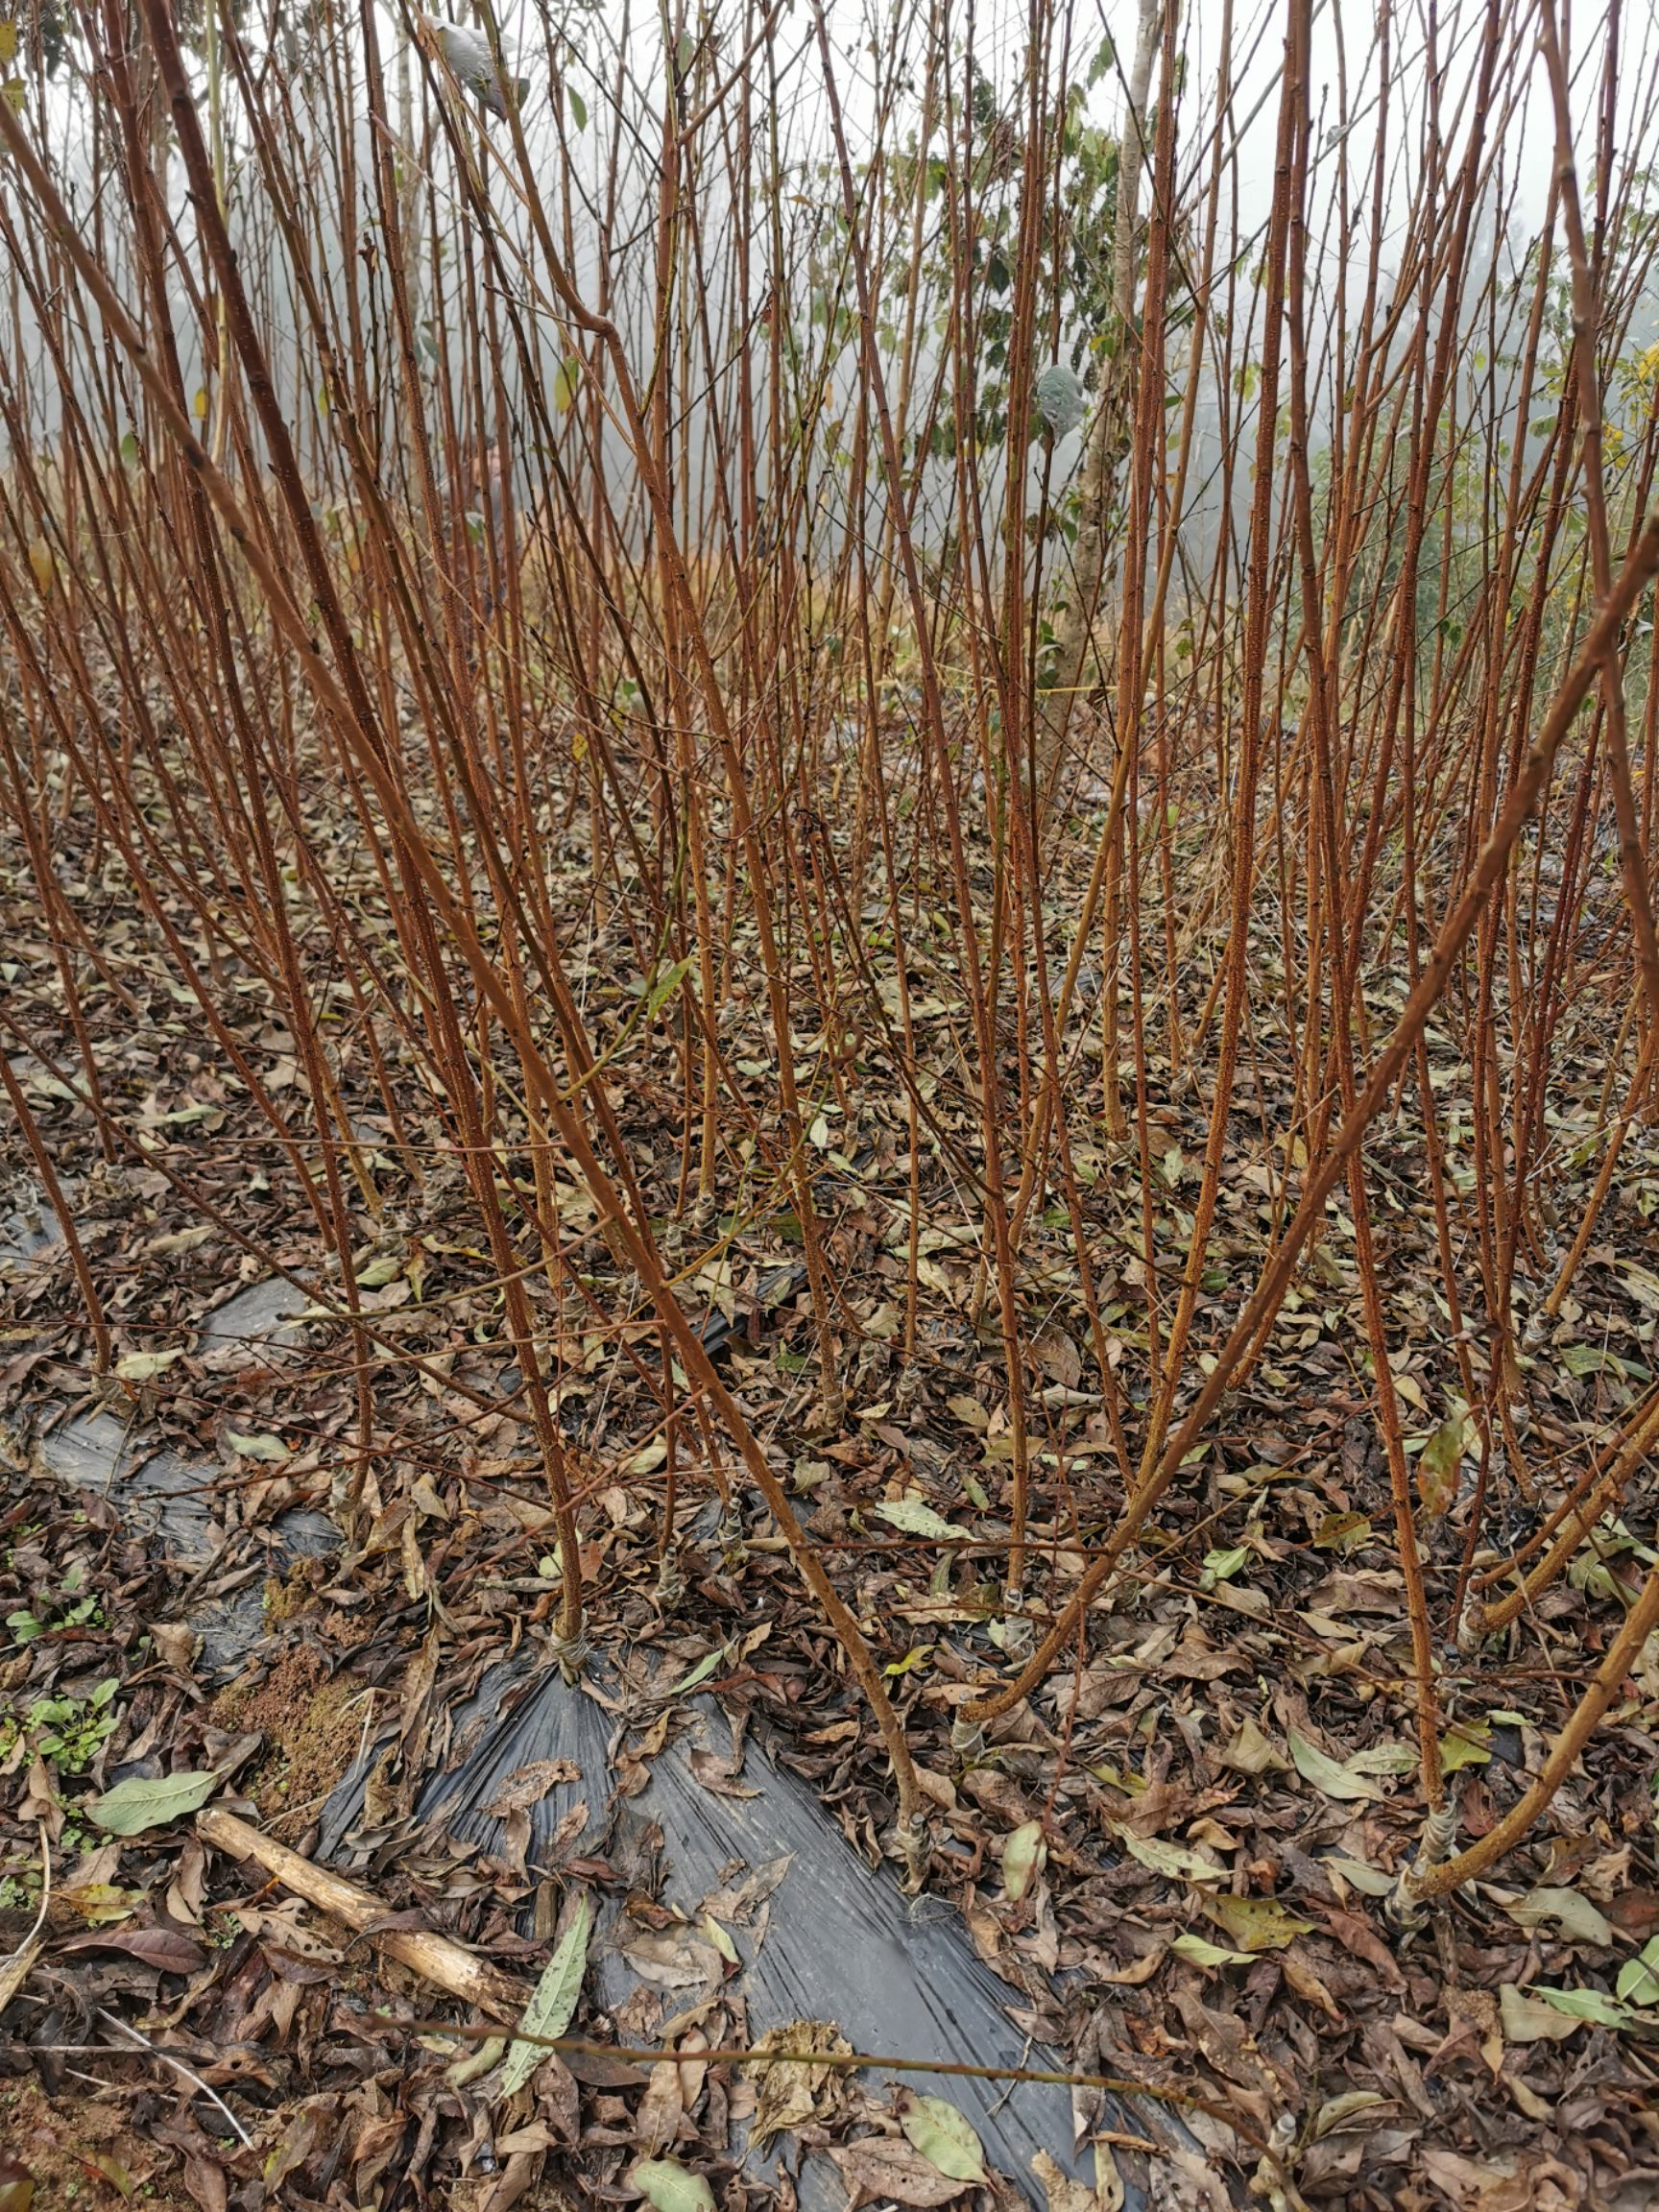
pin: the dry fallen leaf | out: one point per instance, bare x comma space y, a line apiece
1255, 1923
878, 2167
165, 1948
1065, 2194
1249, 1752
1138, 1970
670, 2187
1023, 1855
1573, 1914
527, 1786
1527, 2019
789, 2094
657, 2119
16, 1969
1327, 1775
942, 2135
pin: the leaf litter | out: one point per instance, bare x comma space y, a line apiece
1174, 1857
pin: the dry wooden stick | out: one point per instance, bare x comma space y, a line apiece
436, 1958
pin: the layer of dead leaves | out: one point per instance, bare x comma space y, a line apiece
1221, 1778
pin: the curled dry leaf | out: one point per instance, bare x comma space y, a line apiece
720, 1939
719, 1775
175, 1646
1139, 1970
790, 2093
1064, 2193
675, 1958
1306, 1983
14, 1971
1023, 1855
1353, 2109
515, 2178
533, 2136
527, 1786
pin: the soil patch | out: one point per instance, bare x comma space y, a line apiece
84, 2150
312, 1726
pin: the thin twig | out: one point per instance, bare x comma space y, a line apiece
166, 2058
838, 2061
